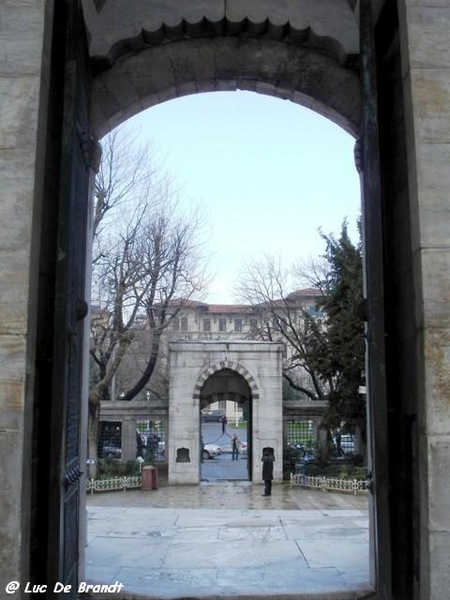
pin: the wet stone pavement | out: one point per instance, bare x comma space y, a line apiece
223, 539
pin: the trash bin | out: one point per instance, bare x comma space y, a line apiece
150, 478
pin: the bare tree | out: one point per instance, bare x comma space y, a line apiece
127, 171
146, 254
264, 285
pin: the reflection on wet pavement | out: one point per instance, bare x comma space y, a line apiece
230, 494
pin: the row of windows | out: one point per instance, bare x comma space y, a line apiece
182, 324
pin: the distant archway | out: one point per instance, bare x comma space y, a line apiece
252, 369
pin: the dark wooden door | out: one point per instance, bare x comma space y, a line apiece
373, 237
71, 307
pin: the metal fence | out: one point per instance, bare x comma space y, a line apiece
115, 483
150, 439
299, 432
152, 435
110, 439
325, 484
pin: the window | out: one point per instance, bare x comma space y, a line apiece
184, 324
222, 324
238, 324
206, 325
254, 326
176, 324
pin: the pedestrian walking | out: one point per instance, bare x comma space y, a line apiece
267, 473
224, 422
234, 447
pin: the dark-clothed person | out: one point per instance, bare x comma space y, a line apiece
234, 448
224, 422
267, 474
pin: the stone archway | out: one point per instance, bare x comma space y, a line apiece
411, 51
191, 365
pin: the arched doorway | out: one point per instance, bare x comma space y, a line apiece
410, 49
228, 394
231, 69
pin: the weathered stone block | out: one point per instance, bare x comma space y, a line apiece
439, 482
433, 267
429, 42
431, 99
436, 409
434, 209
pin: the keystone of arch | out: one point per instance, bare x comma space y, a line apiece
220, 366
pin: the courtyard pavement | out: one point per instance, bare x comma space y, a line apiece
223, 539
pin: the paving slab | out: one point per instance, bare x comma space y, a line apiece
248, 547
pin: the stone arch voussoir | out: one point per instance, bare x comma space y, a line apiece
303, 75
236, 367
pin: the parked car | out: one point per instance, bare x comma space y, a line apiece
211, 450
243, 448
212, 415
111, 450
344, 443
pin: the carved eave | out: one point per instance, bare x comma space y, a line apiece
206, 28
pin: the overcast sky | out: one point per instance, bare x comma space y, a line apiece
266, 172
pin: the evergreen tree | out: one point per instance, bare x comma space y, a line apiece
339, 355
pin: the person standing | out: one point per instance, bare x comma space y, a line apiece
234, 448
224, 422
267, 474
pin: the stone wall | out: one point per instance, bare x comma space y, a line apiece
24, 66
426, 79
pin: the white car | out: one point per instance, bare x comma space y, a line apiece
243, 448
211, 450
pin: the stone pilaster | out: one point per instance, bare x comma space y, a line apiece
23, 68
426, 73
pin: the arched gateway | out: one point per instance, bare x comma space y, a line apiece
192, 365
72, 69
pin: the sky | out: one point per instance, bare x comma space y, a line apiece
266, 172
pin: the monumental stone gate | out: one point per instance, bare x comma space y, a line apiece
253, 372
70, 71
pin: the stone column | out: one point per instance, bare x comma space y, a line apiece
323, 443
129, 439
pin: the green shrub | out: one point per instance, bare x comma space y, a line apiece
340, 471
109, 467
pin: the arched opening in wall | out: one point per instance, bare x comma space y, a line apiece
278, 182
226, 427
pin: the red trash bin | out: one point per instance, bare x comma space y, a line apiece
149, 478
